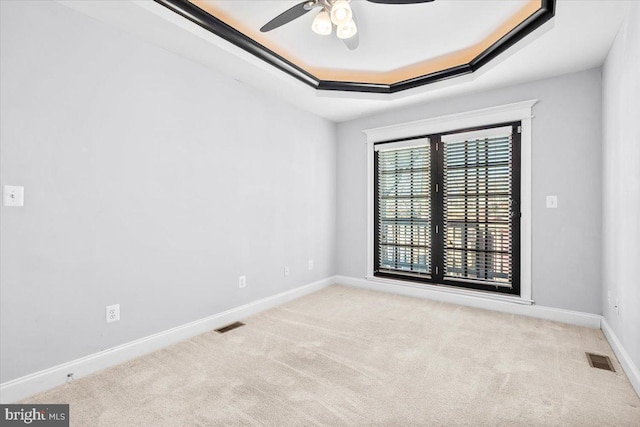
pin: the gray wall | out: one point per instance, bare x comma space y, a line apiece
150, 181
621, 186
154, 182
566, 162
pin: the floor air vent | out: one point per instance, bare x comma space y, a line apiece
599, 361
229, 327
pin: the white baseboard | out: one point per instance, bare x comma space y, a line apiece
20, 388
630, 368
503, 305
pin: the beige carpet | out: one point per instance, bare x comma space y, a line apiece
346, 356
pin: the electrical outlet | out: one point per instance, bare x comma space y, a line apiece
286, 271
242, 281
113, 313
310, 264
552, 202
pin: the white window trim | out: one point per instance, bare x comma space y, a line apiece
520, 111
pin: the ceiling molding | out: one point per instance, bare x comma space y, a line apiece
210, 23
216, 26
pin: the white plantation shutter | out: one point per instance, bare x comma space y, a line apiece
404, 209
477, 199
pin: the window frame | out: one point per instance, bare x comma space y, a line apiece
520, 111
435, 276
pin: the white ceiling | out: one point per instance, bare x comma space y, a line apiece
391, 36
578, 38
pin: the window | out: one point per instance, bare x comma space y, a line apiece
404, 209
447, 208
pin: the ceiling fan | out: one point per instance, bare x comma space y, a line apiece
332, 13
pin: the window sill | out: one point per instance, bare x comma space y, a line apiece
452, 291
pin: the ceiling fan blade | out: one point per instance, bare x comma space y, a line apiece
353, 42
399, 1
285, 17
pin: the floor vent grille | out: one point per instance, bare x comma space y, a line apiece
599, 361
229, 327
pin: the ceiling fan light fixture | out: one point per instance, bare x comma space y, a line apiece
341, 12
322, 24
347, 30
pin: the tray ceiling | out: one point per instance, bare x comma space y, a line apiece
401, 46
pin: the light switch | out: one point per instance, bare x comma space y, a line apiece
13, 195
552, 202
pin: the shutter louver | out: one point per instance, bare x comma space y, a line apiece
477, 197
404, 210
